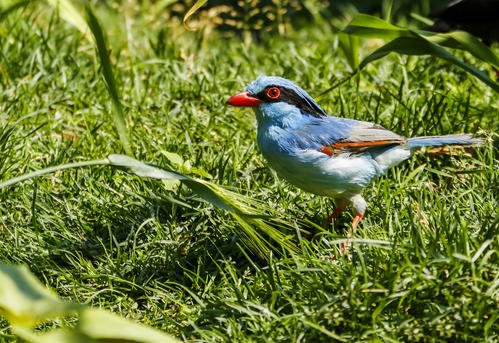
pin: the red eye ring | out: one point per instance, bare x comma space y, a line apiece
273, 93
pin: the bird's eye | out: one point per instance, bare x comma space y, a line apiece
273, 93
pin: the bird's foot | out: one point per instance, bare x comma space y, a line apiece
346, 246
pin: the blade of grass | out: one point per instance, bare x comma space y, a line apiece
107, 73
88, 25
191, 11
49, 170
350, 46
68, 12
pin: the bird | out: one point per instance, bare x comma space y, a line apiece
322, 154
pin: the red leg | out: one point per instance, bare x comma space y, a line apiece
355, 222
337, 212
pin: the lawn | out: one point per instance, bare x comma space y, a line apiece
424, 265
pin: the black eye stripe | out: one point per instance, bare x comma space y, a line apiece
288, 95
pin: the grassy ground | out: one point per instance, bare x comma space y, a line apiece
162, 257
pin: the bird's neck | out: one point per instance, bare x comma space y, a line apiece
279, 114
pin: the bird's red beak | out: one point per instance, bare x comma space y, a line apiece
244, 99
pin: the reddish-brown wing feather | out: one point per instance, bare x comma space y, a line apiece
339, 147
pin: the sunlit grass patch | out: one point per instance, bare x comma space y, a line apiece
424, 264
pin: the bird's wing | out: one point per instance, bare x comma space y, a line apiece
363, 137
332, 135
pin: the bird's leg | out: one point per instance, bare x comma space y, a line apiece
336, 213
356, 219
359, 205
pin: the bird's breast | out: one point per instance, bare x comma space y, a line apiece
310, 169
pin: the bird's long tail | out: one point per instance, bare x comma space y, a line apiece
459, 139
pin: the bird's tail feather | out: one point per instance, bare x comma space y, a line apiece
459, 139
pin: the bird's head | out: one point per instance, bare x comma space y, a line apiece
275, 97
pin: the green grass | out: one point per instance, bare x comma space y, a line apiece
164, 258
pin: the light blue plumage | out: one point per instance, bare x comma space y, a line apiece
330, 156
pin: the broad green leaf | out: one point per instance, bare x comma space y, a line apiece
464, 41
145, 170
191, 11
420, 46
210, 192
416, 42
373, 27
54, 336
142, 169
24, 301
104, 326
